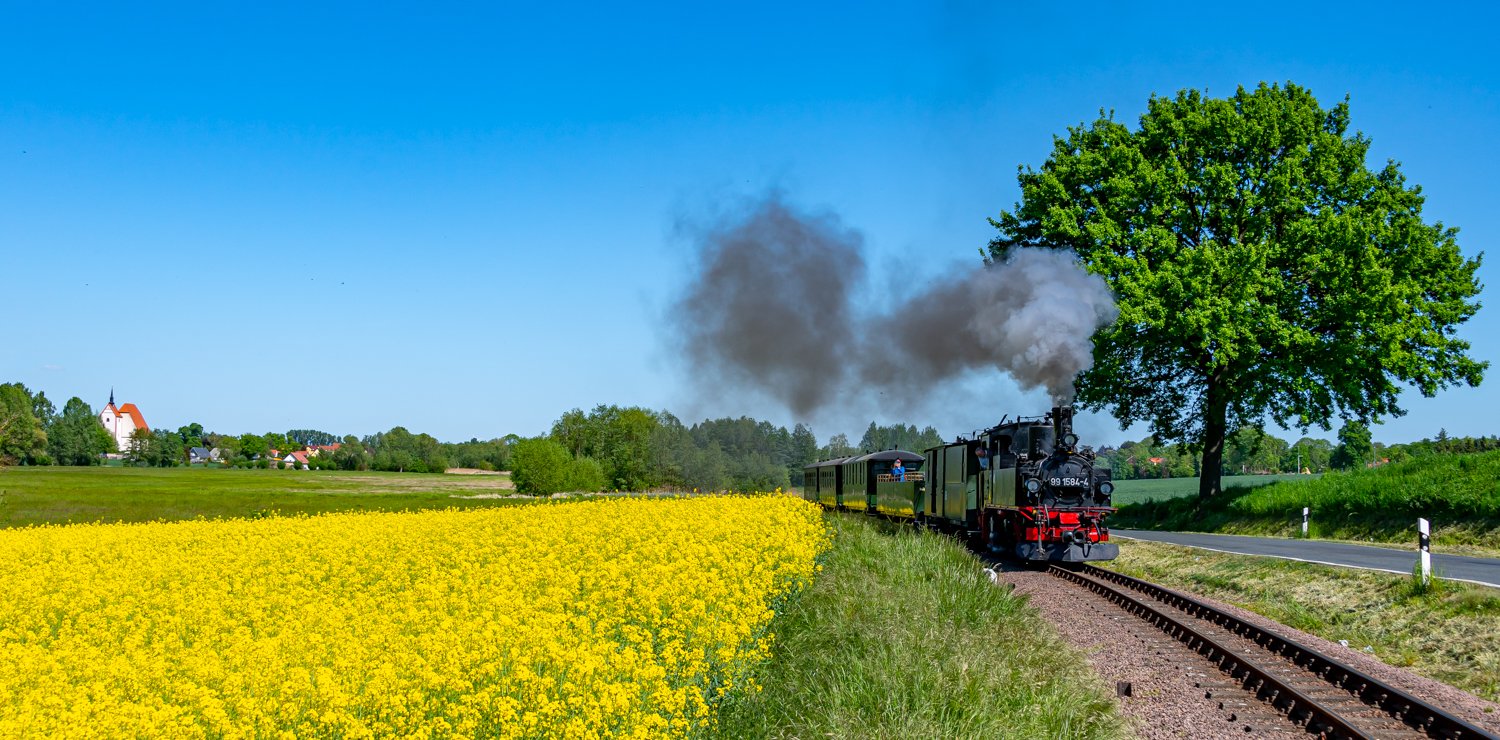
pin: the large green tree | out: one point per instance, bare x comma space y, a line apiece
618, 437
76, 437
1262, 268
1355, 446
540, 466
22, 438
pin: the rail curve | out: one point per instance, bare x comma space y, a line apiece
1166, 610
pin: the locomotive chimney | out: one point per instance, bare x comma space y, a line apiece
1062, 422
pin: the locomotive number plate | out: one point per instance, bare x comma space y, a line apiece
1067, 482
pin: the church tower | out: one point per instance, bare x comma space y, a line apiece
121, 422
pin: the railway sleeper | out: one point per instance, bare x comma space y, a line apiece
1393, 703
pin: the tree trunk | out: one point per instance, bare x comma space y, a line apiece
1215, 406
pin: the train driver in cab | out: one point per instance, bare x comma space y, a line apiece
984, 457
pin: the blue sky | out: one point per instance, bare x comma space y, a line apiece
466, 221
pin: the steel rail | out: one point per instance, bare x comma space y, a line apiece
1294, 704
1410, 710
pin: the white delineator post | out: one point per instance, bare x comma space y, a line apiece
1305, 511
1424, 543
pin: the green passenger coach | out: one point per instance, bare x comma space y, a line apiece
866, 483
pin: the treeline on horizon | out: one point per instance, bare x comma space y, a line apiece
607, 448
637, 449
1253, 451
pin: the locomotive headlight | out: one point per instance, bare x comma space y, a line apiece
1033, 485
1106, 488
1070, 439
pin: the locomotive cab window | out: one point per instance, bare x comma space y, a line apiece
1042, 441
1005, 456
1021, 443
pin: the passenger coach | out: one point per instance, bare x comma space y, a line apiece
865, 483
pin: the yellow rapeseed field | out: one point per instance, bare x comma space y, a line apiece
625, 617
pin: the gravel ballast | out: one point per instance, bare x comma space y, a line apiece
1168, 692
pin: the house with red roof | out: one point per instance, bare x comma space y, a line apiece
298, 459
122, 421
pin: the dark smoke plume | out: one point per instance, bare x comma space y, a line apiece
771, 308
1031, 316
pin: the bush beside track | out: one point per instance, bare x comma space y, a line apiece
1460, 494
902, 635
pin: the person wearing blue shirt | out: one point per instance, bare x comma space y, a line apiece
898, 470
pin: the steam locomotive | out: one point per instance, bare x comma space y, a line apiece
1021, 487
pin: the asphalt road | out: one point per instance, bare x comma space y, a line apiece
1478, 570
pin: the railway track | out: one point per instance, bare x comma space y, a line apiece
1311, 689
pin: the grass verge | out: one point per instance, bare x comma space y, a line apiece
1446, 632
902, 635
67, 495
1459, 494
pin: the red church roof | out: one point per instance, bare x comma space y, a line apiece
134, 413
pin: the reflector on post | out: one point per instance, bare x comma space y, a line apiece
1424, 544
1305, 511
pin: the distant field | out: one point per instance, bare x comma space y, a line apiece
1161, 489
65, 495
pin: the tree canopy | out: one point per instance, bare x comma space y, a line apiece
1262, 269
76, 437
22, 438
1355, 447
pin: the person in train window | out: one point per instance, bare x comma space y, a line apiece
898, 470
984, 458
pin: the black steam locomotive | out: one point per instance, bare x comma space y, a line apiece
1022, 487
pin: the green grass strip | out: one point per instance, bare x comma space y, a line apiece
903, 636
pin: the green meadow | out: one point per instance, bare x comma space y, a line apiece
68, 495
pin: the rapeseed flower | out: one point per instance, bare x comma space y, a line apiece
622, 618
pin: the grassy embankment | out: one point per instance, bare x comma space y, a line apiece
1459, 494
1446, 632
902, 635
63, 495
1158, 489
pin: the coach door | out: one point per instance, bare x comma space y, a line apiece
955, 487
